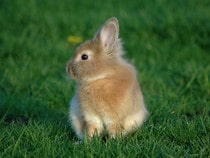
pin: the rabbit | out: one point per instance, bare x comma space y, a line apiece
108, 98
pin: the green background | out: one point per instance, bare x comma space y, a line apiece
167, 41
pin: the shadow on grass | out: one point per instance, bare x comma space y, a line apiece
29, 116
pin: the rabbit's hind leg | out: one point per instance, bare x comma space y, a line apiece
76, 118
93, 124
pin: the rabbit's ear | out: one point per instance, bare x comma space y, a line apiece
109, 33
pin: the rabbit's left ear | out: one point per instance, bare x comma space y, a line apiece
109, 33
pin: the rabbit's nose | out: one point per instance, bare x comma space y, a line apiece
68, 67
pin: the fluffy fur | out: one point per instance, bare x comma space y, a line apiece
107, 96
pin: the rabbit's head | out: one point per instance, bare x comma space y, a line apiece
95, 58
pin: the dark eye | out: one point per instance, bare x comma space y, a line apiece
84, 57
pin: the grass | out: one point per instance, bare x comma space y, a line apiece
167, 41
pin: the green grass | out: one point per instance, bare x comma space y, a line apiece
167, 41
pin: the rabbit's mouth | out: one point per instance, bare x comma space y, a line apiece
70, 70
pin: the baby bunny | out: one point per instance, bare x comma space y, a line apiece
107, 99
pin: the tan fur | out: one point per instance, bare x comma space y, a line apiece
108, 97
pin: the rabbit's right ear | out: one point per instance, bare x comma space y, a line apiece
108, 34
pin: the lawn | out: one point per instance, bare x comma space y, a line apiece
167, 41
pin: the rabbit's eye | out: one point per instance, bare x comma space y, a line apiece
84, 57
